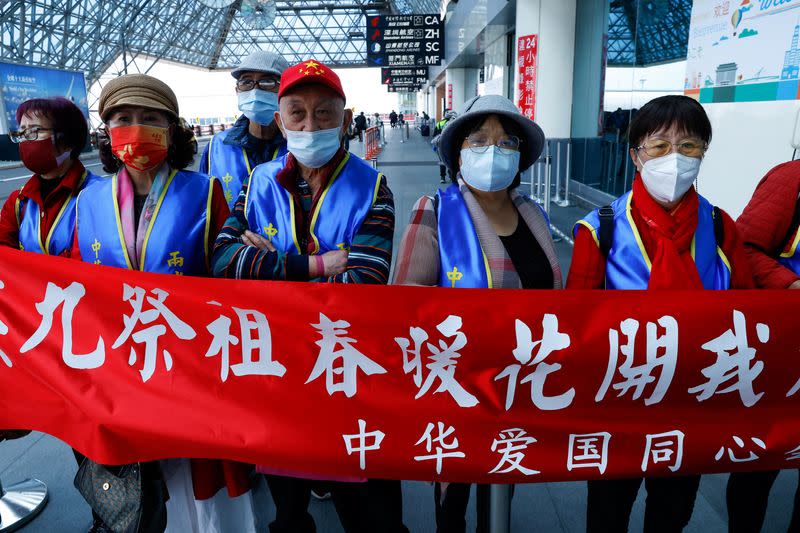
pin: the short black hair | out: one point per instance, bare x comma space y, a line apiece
684, 113
471, 126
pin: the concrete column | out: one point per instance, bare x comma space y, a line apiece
554, 22
497, 69
470, 83
591, 27
455, 80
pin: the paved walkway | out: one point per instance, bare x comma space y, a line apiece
412, 171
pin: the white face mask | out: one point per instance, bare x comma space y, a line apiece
493, 170
313, 148
668, 178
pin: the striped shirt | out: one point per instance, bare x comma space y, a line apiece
370, 257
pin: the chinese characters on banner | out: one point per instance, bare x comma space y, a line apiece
399, 382
527, 47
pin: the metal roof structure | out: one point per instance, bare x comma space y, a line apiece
648, 32
91, 35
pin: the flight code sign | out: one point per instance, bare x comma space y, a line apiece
405, 40
404, 76
403, 88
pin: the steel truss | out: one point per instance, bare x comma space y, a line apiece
648, 32
92, 35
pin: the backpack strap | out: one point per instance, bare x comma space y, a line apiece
606, 233
719, 227
794, 225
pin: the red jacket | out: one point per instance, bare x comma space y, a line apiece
764, 225
50, 206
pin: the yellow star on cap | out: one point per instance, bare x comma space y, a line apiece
312, 64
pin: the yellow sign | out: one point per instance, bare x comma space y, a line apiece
96, 250
454, 275
270, 231
176, 260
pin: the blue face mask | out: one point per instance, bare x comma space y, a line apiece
493, 170
313, 148
259, 106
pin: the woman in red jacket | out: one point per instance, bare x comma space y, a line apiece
654, 227
769, 228
40, 216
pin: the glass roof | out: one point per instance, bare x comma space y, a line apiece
648, 32
90, 35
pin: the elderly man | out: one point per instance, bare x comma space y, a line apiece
284, 228
255, 138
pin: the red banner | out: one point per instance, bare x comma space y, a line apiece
527, 49
399, 382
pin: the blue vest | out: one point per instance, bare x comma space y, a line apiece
230, 165
789, 258
176, 241
462, 263
337, 217
62, 232
627, 264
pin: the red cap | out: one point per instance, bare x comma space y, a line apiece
310, 71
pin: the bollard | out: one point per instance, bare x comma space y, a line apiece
20, 503
567, 178
557, 198
532, 172
499, 508
547, 180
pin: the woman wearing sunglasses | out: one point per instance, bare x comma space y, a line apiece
480, 232
40, 217
660, 235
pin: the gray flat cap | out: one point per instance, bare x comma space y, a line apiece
454, 133
261, 61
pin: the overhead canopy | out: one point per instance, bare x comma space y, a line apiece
89, 35
648, 32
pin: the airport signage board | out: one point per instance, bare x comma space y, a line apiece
405, 80
405, 40
404, 76
403, 88
527, 50
22, 82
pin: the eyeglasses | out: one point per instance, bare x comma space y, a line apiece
480, 143
660, 148
30, 134
265, 84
